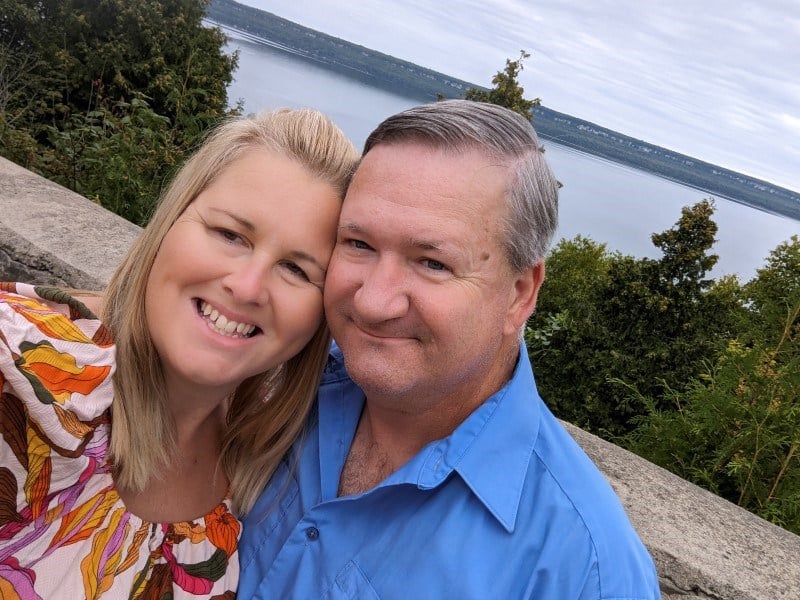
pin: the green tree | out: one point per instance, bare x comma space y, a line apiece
665, 316
735, 429
93, 68
699, 376
773, 294
507, 91
20, 81
616, 322
566, 335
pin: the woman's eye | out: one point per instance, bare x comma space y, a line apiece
228, 235
296, 270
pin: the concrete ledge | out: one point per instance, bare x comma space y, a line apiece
703, 546
51, 235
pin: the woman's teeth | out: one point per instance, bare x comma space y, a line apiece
221, 324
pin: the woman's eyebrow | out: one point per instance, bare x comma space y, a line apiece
242, 221
295, 254
305, 256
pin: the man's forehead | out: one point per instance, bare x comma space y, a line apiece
386, 158
422, 145
423, 178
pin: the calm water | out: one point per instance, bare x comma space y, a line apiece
605, 201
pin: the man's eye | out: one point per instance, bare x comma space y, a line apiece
360, 245
434, 265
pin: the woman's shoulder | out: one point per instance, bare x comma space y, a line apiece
52, 313
72, 303
56, 360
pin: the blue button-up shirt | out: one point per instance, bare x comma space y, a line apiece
507, 506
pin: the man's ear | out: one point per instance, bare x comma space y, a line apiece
523, 297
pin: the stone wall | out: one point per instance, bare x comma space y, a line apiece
703, 546
51, 235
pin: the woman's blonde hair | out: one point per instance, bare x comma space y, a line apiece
267, 411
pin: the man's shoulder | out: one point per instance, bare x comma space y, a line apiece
575, 478
581, 499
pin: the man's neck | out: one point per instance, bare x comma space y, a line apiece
368, 462
389, 433
386, 439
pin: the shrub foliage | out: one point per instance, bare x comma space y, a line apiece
700, 376
107, 96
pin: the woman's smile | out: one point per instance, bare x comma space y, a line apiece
245, 258
225, 325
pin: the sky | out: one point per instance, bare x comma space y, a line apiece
718, 80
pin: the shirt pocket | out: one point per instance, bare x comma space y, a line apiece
351, 583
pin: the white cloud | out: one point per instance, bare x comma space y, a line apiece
713, 79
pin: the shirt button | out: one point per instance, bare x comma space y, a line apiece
312, 533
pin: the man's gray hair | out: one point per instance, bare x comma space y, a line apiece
532, 190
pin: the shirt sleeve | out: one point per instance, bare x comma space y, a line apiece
55, 371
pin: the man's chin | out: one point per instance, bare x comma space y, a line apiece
377, 370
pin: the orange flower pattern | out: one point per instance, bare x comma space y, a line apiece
64, 530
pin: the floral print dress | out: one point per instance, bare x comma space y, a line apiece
64, 531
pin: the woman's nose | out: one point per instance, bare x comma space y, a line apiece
248, 283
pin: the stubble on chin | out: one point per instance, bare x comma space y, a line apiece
375, 373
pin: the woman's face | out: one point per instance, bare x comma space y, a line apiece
236, 286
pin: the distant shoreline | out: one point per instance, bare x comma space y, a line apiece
419, 83
610, 161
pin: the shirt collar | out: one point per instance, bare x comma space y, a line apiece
490, 450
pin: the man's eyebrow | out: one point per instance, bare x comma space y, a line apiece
425, 244
351, 227
240, 220
431, 245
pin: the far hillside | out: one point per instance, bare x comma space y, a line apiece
425, 85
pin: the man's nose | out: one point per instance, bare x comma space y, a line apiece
383, 292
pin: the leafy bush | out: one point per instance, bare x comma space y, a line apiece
107, 97
735, 429
118, 158
624, 321
699, 376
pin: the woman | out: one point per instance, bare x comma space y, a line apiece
129, 443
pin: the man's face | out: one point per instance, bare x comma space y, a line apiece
419, 294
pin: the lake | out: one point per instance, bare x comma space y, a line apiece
606, 201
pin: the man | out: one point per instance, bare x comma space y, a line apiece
431, 468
